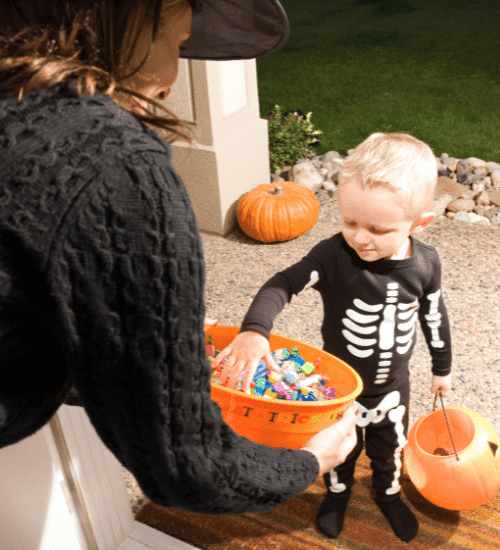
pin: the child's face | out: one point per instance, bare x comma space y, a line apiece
373, 223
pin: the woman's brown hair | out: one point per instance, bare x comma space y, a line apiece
47, 42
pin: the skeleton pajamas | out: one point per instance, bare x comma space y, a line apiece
370, 316
382, 427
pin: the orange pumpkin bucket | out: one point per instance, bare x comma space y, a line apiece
280, 423
432, 464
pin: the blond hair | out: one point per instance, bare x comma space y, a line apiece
43, 44
398, 162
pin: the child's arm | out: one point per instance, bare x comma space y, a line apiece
252, 344
436, 328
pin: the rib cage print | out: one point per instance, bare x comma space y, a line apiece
382, 328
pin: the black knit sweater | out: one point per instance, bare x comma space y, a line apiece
101, 286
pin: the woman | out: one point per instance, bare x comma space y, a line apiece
101, 269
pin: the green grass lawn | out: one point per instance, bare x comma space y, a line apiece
430, 68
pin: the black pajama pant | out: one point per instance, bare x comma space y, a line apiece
382, 428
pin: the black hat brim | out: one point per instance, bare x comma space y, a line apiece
224, 30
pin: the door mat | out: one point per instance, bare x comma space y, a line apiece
292, 525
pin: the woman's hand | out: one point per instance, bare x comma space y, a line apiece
332, 445
243, 355
441, 384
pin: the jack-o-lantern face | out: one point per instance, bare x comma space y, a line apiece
433, 467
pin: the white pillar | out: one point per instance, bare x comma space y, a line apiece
37, 509
232, 152
62, 489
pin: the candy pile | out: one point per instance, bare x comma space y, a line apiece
296, 380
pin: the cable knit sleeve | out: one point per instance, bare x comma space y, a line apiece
127, 273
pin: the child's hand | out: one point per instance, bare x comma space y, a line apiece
441, 384
244, 354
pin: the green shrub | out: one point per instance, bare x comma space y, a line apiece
289, 138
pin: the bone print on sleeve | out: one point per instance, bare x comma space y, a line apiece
435, 324
279, 290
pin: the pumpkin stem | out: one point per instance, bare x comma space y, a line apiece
277, 190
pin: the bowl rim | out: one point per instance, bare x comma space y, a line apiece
289, 403
420, 421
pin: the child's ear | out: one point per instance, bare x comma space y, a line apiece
423, 222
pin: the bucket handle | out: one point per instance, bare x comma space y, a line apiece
447, 423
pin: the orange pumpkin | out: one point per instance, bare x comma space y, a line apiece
277, 211
433, 467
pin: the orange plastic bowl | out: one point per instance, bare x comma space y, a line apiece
280, 423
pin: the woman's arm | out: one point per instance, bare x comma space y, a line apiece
127, 277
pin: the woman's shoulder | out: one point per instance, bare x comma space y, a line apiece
55, 140
61, 154
58, 119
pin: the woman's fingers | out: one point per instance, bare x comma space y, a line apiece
332, 445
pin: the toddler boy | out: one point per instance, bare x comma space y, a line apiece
375, 280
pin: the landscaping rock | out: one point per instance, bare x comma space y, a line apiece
447, 186
482, 199
481, 170
475, 162
494, 195
462, 217
476, 218
439, 205
478, 187
464, 167
329, 186
451, 165
467, 189
493, 214
495, 178
333, 155
461, 205
464, 177
306, 174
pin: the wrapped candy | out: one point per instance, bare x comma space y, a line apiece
296, 380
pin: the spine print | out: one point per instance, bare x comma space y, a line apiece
388, 328
387, 331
